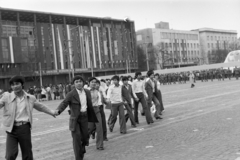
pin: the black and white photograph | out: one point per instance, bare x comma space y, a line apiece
119, 80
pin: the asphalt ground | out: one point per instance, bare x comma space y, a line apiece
201, 123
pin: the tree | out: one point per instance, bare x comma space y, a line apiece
160, 56
142, 63
219, 56
235, 45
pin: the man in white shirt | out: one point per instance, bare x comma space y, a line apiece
18, 118
139, 90
81, 112
96, 127
114, 96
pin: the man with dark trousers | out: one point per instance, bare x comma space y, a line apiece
138, 88
96, 127
101, 108
18, 117
81, 112
114, 96
151, 89
127, 95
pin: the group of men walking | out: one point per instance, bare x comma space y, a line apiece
86, 110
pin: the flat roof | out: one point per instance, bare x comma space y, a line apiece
215, 30
27, 15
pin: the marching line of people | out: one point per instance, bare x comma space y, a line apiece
86, 110
87, 102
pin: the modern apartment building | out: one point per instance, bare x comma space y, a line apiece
60, 44
172, 48
212, 40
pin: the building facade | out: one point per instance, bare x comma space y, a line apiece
171, 48
215, 41
58, 45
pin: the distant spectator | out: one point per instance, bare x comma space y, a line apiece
48, 90
31, 90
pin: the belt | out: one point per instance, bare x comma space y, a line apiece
20, 123
83, 113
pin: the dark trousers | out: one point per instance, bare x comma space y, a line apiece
80, 137
104, 123
145, 107
129, 114
20, 135
154, 99
97, 127
160, 100
117, 108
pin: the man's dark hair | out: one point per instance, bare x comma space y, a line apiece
78, 78
91, 79
125, 78
115, 78
98, 82
19, 79
102, 80
157, 74
149, 73
137, 74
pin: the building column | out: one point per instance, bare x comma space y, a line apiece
0, 23
18, 25
1, 55
37, 60
123, 43
102, 44
91, 45
134, 44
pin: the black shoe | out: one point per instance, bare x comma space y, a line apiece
100, 148
134, 125
158, 118
105, 139
143, 114
123, 132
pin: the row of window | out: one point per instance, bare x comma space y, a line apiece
216, 45
166, 35
190, 53
227, 38
11, 30
188, 45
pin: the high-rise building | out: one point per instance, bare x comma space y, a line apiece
59, 44
167, 48
215, 41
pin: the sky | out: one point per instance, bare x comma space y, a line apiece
181, 14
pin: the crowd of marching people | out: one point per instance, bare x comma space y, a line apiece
202, 75
87, 101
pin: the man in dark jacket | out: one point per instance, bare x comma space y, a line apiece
127, 95
81, 112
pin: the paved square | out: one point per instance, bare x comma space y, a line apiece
201, 123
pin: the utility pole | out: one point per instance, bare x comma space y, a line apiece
40, 73
147, 56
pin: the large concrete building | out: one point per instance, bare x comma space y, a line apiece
59, 44
171, 48
212, 40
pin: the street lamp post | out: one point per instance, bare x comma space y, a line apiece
147, 55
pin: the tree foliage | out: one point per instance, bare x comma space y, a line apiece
142, 63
